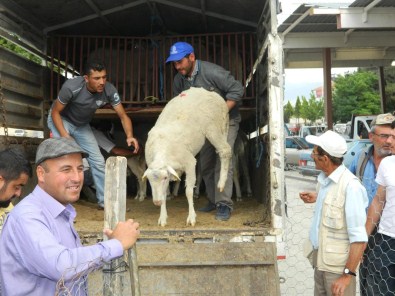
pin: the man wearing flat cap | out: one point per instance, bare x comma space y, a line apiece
365, 166
196, 73
337, 235
40, 251
380, 256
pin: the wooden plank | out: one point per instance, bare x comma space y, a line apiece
116, 279
208, 269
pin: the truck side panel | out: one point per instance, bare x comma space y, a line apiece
208, 269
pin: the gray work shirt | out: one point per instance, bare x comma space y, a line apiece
81, 104
213, 78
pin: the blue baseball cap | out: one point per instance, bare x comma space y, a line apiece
179, 50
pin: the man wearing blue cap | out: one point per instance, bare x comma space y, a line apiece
196, 73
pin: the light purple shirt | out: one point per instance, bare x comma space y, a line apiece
39, 247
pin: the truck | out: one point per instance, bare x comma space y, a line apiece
359, 126
235, 258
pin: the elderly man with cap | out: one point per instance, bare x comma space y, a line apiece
337, 235
196, 73
380, 257
40, 251
365, 166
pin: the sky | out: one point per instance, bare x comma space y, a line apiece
300, 82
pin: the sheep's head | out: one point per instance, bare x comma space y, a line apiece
159, 180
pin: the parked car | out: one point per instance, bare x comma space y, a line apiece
315, 130
307, 165
294, 146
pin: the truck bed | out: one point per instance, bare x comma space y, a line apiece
247, 216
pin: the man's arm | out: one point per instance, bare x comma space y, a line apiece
375, 209
127, 127
57, 119
43, 255
355, 205
354, 257
230, 104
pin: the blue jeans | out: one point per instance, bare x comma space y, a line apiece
83, 135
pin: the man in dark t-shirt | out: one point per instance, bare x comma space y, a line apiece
73, 110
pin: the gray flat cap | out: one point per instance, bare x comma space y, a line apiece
56, 147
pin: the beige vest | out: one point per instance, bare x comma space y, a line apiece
334, 242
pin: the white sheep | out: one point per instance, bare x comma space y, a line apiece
178, 135
138, 166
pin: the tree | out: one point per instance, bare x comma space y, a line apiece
312, 109
19, 50
288, 112
316, 108
297, 109
389, 75
355, 93
304, 109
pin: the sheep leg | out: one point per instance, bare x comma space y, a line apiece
176, 188
142, 188
196, 191
218, 140
138, 166
162, 221
246, 175
190, 180
236, 177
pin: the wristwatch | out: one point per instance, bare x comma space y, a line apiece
347, 271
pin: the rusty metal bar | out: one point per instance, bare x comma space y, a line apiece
136, 65
81, 54
73, 58
51, 68
59, 66
67, 58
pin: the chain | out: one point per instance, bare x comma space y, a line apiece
3, 115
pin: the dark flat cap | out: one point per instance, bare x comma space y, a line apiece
57, 147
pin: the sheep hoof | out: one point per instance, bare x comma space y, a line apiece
191, 220
162, 222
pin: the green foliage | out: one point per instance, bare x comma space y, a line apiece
355, 93
19, 50
312, 109
288, 112
389, 76
298, 107
304, 109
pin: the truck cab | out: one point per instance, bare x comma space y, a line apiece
360, 126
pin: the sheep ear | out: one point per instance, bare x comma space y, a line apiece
173, 172
145, 175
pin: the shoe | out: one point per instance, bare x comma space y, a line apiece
223, 213
208, 207
100, 207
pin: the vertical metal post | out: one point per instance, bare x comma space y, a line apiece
328, 87
383, 98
